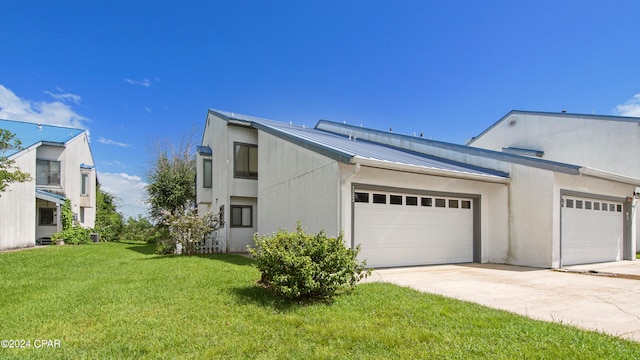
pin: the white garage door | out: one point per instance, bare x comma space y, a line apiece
396, 229
592, 230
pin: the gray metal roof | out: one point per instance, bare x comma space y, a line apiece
30, 134
465, 149
561, 115
343, 149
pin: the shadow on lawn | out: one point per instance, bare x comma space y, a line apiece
261, 296
150, 249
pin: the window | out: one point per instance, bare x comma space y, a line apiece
453, 204
245, 161
466, 204
241, 216
596, 206
395, 199
82, 214
47, 216
47, 172
612, 207
426, 202
379, 198
578, 204
207, 173
84, 183
587, 205
441, 203
605, 207
361, 197
619, 208
570, 203
412, 200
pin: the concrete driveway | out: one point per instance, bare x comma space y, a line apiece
604, 303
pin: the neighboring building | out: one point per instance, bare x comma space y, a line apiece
61, 165
404, 200
608, 143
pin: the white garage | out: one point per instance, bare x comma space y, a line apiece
403, 229
592, 230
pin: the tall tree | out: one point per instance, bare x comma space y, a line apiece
9, 173
109, 221
171, 179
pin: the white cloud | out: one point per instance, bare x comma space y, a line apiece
630, 108
53, 113
144, 82
112, 142
66, 97
130, 191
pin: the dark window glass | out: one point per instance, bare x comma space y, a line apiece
379, 198
395, 199
84, 183
578, 204
587, 205
412, 200
605, 206
441, 203
612, 207
361, 197
246, 161
569, 203
619, 208
453, 204
466, 204
207, 176
426, 201
241, 216
596, 206
47, 216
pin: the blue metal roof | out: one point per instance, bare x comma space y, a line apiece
31, 133
343, 149
49, 196
204, 150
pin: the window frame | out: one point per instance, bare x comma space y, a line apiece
232, 216
207, 177
241, 174
53, 217
49, 173
84, 184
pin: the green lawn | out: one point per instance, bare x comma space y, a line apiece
120, 301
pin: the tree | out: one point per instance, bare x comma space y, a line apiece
8, 172
109, 222
171, 186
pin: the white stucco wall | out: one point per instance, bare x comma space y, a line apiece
597, 143
17, 207
601, 144
226, 190
493, 197
296, 184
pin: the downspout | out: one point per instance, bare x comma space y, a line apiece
353, 173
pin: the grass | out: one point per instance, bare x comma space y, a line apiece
120, 301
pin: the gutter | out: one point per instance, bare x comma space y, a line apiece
609, 176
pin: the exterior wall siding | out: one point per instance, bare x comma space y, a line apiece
17, 204
296, 184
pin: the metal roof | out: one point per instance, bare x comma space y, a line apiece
344, 149
465, 149
49, 196
204, 150
31, 134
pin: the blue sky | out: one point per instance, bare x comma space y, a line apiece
131, 72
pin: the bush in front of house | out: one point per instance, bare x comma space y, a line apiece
297, 265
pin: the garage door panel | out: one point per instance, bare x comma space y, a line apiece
591, 235
401, 235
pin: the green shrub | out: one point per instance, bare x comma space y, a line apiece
297, 265
74, 235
